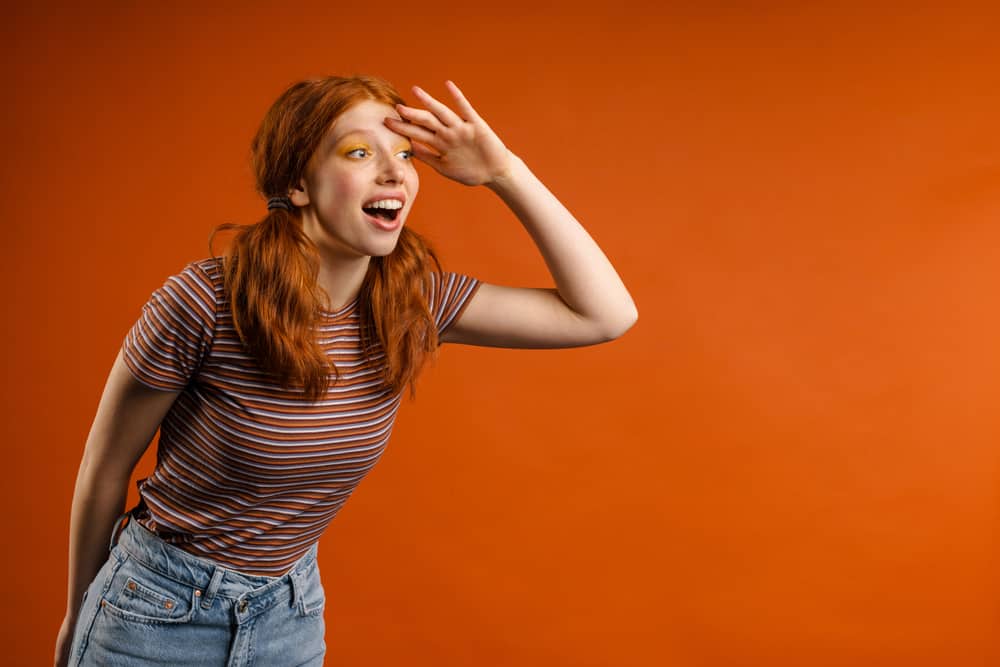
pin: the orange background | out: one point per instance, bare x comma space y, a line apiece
790, 460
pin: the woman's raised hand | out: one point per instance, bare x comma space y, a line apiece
458, 145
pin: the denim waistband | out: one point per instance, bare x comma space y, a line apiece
212, 579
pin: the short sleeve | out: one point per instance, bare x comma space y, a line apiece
168, 343
450, 293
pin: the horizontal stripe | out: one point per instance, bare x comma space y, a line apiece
248, 473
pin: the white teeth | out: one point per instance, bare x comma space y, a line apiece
385, 203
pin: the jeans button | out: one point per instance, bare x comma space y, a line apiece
243, 606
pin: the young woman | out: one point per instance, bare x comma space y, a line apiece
274, 375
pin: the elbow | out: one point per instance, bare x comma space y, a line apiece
617, 327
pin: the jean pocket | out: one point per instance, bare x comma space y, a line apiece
143, 595
313, 595
315, 602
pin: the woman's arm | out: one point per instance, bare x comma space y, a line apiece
590, 303
127, 418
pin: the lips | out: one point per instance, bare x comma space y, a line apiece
386, 199
385, 208
384, 225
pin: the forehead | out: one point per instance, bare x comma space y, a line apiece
364, 117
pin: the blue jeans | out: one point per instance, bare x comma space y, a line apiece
153, 603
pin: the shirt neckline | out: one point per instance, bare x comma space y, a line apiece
343, 311
327, 314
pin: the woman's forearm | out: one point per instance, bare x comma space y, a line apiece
98, 500
584, 276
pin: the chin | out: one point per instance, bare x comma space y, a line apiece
382, 249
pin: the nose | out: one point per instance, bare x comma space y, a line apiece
391, 170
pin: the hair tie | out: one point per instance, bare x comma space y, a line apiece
279, 202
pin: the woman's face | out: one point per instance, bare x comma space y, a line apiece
359, 185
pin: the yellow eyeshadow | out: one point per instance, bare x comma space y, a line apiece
353, 147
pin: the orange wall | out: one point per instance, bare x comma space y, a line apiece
791, 459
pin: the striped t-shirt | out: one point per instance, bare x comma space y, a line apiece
249, 474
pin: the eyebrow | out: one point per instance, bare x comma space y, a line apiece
363, 130
369, 134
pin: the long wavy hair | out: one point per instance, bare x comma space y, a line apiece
271, 267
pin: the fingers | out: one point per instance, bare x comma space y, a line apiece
465, 109
446, 116
425, 154
420, 117
411, 130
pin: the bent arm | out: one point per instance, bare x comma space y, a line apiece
590, 303
585, 278
127, 418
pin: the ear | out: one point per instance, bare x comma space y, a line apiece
300, 194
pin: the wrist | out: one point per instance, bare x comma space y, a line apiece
507, 180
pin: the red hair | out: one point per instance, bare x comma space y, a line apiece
272, 266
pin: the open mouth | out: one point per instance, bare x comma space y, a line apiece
386, 210
387, 214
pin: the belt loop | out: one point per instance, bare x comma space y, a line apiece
115, 532
213, 587
297, 598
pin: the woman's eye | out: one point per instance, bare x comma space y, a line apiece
358, 152
406, 154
